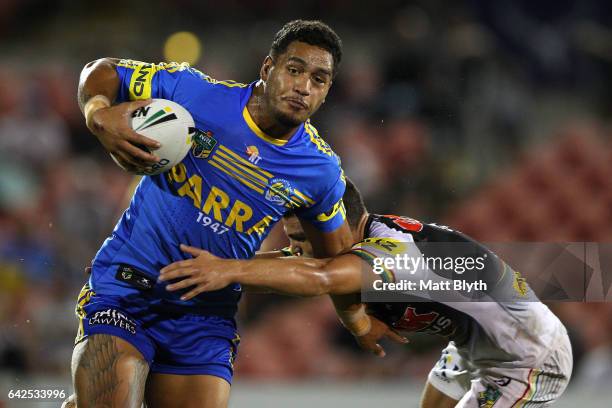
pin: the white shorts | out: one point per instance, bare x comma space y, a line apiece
503, 387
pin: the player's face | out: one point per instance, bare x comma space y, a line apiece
297, 82
297, 238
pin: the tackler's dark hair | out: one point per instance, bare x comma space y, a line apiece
353, 203
312, 32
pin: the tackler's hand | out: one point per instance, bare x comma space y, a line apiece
204, 272
378, 330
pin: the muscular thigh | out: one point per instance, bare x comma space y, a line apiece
186, 391
108, 372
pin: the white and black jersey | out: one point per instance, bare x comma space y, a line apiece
503, 325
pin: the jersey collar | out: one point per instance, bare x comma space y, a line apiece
248, 119
260, 133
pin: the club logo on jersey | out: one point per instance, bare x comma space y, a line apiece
113, 317
431, 322
155, 118
520, 284
406, 223
488, 397
203, 143
412, 321
279, 191
253, 153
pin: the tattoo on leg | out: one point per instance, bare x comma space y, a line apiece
137, 387
99, 362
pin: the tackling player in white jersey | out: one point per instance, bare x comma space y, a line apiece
506, 349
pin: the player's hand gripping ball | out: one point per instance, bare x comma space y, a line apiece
168, 123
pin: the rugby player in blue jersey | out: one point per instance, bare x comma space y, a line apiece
255, 157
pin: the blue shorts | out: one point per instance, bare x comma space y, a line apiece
171, 342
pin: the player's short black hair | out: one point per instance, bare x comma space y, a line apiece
353, 202
311, 32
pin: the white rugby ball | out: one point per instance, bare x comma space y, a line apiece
171, 125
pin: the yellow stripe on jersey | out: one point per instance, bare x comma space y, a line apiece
260, 133
303, 196
245, 162
228, 83
321, 144
251, 175
386, 245
244, 176
337, 208
242, 166
214, 162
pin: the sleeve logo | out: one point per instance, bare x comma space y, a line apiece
337, 208
141, 81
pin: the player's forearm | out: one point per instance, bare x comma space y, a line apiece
299, 277
98, 77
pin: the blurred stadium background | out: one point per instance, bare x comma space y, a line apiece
490, 116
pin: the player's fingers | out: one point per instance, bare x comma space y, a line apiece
176, 273
371, 346
193, 251
396, 337
185, 283
207, 287
192, 293
141, 140
126, 161
138, 155
134, 105
374, 348
379, 351
179, 273
177, 265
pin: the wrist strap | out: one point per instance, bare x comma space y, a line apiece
356, 321
93, 104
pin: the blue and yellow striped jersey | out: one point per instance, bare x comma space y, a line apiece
234, 184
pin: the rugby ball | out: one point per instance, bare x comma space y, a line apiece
171, 125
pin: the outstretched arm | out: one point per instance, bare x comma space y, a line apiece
293, 275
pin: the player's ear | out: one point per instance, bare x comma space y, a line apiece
265, 68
